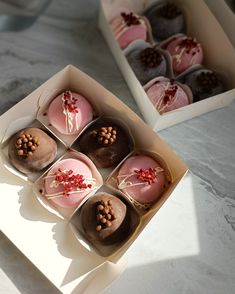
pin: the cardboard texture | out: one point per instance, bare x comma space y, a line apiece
224, 11
42, 236
218, 51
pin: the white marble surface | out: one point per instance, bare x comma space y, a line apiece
189, 246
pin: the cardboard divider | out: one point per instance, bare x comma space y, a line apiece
218, 51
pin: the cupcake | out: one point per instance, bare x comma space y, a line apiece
142, 179
105, 219
166, 94
128, 27
185, 52
204, 83
105, 142
166, 19
69, 113
68, 182
147, 63
31, 150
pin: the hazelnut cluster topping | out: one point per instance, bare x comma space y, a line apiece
26, 144
169, 11
106, 135
104, 215
208, 80
130, 19
150, 57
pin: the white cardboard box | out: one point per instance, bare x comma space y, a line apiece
43, 237
222, 9
218, 51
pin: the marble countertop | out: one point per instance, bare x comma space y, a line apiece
188, 247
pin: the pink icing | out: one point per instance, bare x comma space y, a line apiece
69, 120
166, 95
185, 52
126, 33
141, 178
68, 193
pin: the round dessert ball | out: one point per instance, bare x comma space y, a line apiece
166, 19
105, 143
68, 182
185, 52
166, 94
128, 27
69, 113
204, 83
105, 219
31, 150
147, 63
142, 178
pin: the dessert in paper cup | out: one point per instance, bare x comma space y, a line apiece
65, 113
143, 177
105, 222
28, 149
106, 142
71, 179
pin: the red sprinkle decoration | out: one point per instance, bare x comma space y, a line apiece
170, 92
146, 175
70, 102
71, 181
190, 44
130, 19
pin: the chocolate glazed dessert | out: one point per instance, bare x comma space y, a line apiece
147, 64
31, 149
105, 143
105, 219
166, 19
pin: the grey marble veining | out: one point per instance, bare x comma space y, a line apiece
199, 220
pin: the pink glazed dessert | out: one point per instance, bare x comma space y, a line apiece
185, 52
166, 94
68, 182
128, 27
142, 179
69, 113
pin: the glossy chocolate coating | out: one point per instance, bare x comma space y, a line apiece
102, 155
120, 225
42, 156
166, 19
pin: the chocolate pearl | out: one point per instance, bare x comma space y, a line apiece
110, 129
108, 224
105, 203
99, 217
19, 141
106, 141
30, 153
98, 228
25, 146
106, 210
20, 152
23, 136
114, 137
30, 144
100, 207
33, 148
109, 202
103, 221
27, 136
25, 140
102, 134
109, 216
